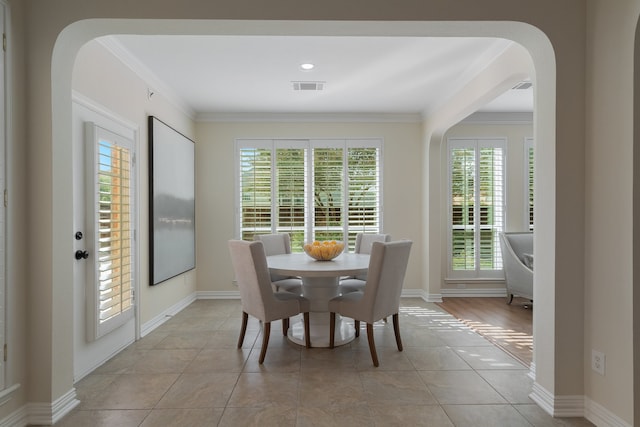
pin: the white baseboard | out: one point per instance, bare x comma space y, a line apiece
477, 292
601, 416
532, 371
406, 293
543, 398
218, 295
557, 406
158, 320
44, 414
50, 413
428, 297
575, 406
569, 406
18, 418
413, 293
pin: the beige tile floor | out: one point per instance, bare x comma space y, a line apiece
188, 372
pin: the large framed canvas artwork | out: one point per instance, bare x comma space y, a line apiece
171, 202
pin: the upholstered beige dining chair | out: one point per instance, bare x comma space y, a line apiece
381, 295
257, 296
278, 244
363, 246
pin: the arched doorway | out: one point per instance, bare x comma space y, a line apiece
77, 34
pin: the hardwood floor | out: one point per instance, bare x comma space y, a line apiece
508, 326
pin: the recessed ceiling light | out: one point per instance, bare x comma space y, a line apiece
307, 66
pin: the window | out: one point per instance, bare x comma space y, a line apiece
528, 182
311, 189
110, 231
476, 207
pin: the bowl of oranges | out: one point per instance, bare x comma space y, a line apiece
323, 251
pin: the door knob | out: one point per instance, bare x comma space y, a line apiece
82, 254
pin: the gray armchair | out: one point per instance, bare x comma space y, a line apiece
517, 259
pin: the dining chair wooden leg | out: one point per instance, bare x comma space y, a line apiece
243, 328
356, 323
372, 344
266, 331
285, 326
307, 330
396, 329
332, 329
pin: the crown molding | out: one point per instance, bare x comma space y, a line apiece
311, 117
155, 84
499, 118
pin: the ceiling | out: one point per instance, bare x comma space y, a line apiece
363, 75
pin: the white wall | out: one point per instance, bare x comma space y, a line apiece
17, 153
610, 217
99, 76
215, 158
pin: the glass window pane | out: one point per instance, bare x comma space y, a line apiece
114, 255
328, 190
477, 205
255, 190
341, 199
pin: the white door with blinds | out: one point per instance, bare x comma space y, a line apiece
105, 277
476, 207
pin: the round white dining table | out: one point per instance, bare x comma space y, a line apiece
320, 283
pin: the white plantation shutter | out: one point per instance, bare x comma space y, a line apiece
529, 170
290, 195
477, 206
491, 203
110, 232
328, 190
321, 189
255, 189
364, 189
462, 182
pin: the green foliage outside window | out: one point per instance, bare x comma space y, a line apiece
345, 198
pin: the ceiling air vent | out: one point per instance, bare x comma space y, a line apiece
308, 85
523, 85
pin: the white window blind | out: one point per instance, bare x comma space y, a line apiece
110, 281
255, 169
364, 210
290, 183
477, 206
321, 189
328, 193
529, 170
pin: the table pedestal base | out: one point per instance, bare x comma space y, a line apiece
319, 326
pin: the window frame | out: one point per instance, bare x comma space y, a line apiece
476, 144
348, 233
